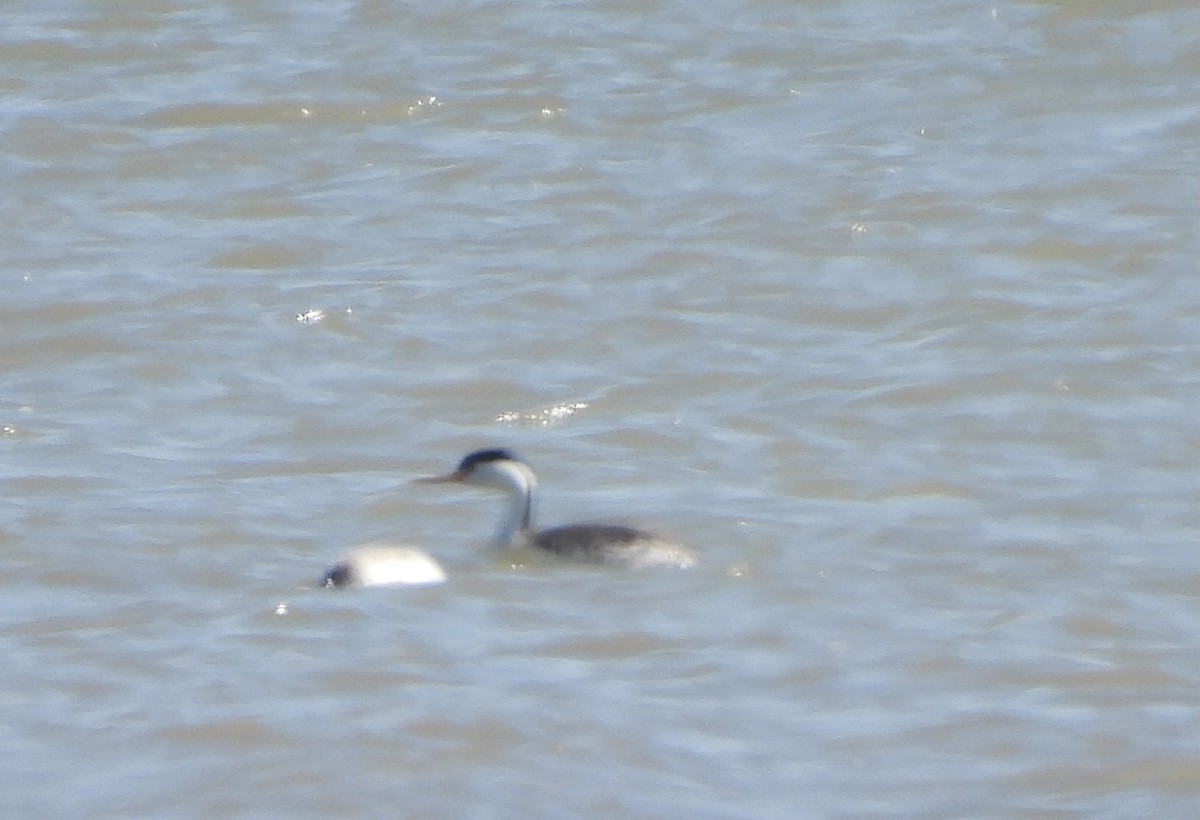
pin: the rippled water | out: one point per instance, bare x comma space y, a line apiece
890, 311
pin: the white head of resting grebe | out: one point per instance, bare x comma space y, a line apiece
594, 543
382, 564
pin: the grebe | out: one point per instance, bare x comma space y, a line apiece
381, 564
594, 543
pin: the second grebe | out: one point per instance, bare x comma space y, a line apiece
382, 564
594, 543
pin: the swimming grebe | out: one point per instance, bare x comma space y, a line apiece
614, 544
381, 564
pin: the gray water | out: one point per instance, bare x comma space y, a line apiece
890, 310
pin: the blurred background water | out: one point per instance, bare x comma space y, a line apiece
889, 310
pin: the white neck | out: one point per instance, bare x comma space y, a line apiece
518, 481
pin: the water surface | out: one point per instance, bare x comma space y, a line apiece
889, 311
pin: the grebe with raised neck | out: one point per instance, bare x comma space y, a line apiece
614, 544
